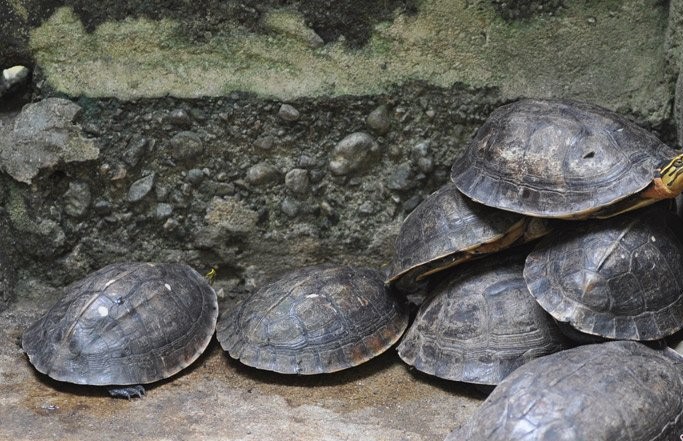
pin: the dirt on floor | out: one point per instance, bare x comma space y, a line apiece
218, 398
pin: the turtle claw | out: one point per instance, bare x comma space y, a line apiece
127, 392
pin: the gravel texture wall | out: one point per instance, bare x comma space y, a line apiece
258, 136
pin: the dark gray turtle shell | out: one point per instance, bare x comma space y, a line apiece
617, 278
557, 159
480, 324
314, 320
447, 229
612, 391
127, 323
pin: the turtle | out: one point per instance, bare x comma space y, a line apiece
566, 159
447, 229
619, 390
125, 325
313, 320
616, 278
480, 323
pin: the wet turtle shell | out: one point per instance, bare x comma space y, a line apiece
558, 159
617, 278
480, 324
447, 229
314, 320
125, 324
619, 390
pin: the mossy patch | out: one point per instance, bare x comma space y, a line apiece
608, 52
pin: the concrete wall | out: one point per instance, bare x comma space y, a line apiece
175, 145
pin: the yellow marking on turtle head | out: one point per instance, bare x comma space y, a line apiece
672, 174
668, 184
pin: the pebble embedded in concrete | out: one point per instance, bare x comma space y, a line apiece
297, 181
195, 176
102, 207
401, 178
366, 208
77, 199
426, 165
288, 113
12, 77
261, 174
378, 120
420, 150
186, 145
179, 118
163, 211
290, 206
141, 188
306, 161
136, 148
353, 153
265, 142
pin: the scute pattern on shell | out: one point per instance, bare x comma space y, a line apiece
127, 323
314, 320
480, 324
557, 159
609, 391
617, 278
441, 228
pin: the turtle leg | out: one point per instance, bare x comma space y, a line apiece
127, 392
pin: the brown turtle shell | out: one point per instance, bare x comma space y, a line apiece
559, 159
314, 320
620, 390
447, 229
480, 324
616, 278
125, 324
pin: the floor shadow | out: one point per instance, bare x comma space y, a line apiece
363, 371
469, 390
102, 391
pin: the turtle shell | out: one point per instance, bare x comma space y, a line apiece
619, 390
557, 159
447, 229
480, 324
617, 278
314, 320
127, 323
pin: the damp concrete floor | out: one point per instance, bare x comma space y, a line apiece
217, 398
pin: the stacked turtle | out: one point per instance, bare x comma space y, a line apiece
608, 270
489, 312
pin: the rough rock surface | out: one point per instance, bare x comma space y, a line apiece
7, 280
41, 136
251, 212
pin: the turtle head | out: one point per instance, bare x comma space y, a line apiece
671, 175
666, 185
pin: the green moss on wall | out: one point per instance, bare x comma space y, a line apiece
610, 52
